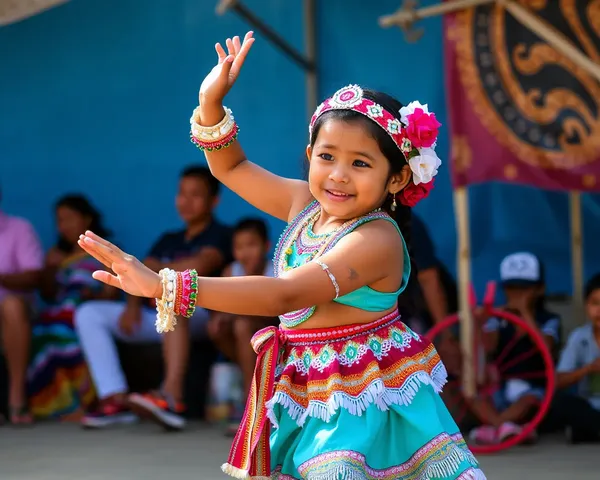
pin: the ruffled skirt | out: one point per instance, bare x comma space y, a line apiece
360, 402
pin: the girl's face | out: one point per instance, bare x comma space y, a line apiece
70, 223
348, 172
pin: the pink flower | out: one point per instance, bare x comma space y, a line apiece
412, 193
422, 129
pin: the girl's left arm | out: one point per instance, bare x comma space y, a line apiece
371, 253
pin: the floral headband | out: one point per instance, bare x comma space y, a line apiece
415, 134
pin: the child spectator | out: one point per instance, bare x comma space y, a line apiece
579, 367
230, 333
522, 277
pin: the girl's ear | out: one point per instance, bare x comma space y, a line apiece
308, 152
399, 180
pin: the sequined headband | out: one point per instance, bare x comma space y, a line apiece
352, 98
415, 134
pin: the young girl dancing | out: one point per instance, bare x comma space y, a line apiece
342, 390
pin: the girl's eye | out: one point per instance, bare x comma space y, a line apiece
326, 156
360, 163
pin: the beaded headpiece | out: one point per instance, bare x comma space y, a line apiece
415, 134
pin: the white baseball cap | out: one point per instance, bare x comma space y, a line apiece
521, 268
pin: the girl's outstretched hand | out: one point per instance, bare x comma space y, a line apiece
131, 275
222, 77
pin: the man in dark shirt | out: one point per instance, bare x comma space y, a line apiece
205, 245
435, 296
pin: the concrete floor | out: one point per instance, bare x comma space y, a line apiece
144, 452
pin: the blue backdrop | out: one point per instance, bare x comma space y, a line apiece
96, 95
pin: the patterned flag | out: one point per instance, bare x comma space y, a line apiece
521, 112
14, 10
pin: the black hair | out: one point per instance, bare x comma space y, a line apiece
81, 205
256, 225
203, 173
402, 214
591, 286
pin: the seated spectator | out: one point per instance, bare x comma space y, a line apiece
204, 244
524, 286
579, 369
59, 382
230, 333
21, 261
436, 296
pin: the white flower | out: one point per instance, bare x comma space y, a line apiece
424, 166
410, 109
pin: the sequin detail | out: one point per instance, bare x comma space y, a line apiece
299, 241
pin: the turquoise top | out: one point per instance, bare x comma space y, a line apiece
299, 245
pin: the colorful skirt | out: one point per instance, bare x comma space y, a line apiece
59, 382
349, 403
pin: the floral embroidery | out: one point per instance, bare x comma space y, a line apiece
444, 456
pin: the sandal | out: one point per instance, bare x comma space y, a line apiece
20, 416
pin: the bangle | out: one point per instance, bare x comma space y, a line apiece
214, 133
189, 293
220, 144
165, 306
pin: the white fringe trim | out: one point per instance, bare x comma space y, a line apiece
239, 473
376, 393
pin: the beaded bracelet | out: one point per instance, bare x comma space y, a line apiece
189, 293
220, 144
165, 306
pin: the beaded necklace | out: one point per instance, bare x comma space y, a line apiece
299, 242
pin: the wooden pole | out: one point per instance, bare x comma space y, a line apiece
554, 38
310, 42
408, 14
575, 215
467, 324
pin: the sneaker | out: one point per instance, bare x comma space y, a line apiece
160, 407
107, 415
508, 430
485, 435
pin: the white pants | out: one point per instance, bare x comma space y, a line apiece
97, 324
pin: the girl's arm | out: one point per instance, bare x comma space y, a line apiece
277, 196
354, 262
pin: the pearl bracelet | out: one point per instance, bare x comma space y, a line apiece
165, 306
214, 133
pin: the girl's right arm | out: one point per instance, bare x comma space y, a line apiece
275, 195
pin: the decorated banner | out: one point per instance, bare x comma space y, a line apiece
15, 10
520, 112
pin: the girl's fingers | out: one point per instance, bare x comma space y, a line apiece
107, 278
236, 44
230, 49
220, 52
94, 253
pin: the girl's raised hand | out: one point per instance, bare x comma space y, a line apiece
131, 275
222, 77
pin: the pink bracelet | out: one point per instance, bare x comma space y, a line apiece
220, 144
189, 292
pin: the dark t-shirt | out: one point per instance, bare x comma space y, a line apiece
424, 254
520, 357
173, 246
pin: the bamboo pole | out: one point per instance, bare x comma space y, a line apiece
408, 14
575, 215
467, 323
551, 35
310, 42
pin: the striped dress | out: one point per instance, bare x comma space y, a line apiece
58, 380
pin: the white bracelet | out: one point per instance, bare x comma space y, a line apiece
331, 277
165, 306
216, 132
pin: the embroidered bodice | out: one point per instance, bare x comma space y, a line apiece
299, 245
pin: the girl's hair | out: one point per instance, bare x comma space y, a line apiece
81, 205
402, 215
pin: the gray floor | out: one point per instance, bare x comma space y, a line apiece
65, 452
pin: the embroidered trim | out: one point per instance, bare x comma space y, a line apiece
444, 456
294, 400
